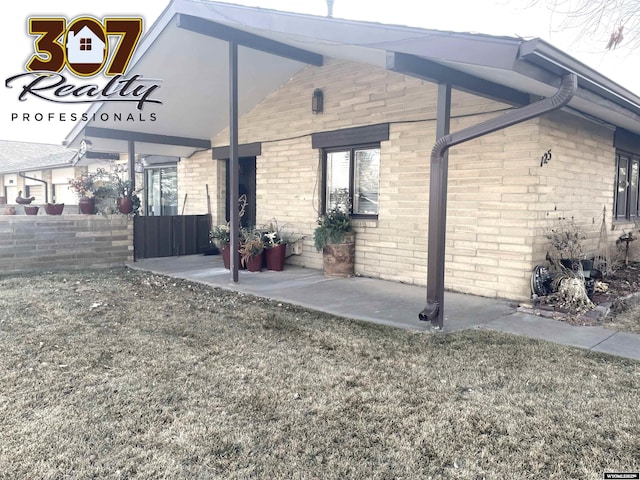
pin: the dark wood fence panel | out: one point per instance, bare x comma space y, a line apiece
169, 236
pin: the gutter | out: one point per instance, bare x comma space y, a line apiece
438, 186
46, 185
547, 56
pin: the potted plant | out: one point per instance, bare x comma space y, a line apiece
334, 237
84, 186
275, 247
127, 200
96, 191
251, 250
221, 236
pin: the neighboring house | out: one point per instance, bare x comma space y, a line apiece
37, 170
84, 47
43, 171
387, 94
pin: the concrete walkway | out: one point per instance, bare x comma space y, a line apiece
390, 303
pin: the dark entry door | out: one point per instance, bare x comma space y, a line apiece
247, 181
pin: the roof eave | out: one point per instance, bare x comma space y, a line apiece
545, 55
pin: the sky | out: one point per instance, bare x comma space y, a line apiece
523, 18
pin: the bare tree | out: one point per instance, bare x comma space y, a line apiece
613, 21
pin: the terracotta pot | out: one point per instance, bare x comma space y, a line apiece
125, 205
31, 209
9, 211
87, 205
338, 259
254, 264
275, 257
54, 208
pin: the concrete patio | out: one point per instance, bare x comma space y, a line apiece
390, 303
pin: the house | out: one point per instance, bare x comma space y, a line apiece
326, 106
43, 171
37, 170
84, 47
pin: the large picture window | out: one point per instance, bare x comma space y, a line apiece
353, 175
627, 185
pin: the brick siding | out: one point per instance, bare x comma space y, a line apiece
51, 242
501, 202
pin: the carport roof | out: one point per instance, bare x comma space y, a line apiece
187, 50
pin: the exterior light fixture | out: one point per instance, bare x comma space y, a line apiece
317, 102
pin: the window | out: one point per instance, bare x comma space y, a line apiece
85, 44
626, 195
162, 191
353, 174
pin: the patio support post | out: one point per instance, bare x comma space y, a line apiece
233, 160
132, 165
438, 180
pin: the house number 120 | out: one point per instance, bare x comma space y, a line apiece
85, 47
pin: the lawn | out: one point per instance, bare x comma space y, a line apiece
127, 375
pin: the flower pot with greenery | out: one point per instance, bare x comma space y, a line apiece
127, 200
221, 236
251, 250
334, 237
85, 187
275, 247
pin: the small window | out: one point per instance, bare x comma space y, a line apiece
353, 175
627, 186
85, 44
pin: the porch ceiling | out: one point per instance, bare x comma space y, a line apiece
192, 70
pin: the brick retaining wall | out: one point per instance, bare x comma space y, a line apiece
43, 242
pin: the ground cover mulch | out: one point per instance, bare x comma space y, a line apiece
616, 301
129, 375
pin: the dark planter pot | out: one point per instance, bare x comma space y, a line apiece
275, 257
87, 205
31, 210
254, 264
54, 208
339, 259
125, 205
3, 200
226, 257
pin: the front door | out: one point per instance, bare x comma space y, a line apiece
247, 186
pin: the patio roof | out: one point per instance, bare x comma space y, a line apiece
187, 51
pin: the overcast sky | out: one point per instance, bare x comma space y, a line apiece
494, 17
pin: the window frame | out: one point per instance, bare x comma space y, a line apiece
626, 205
352, 171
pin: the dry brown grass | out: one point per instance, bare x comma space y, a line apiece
121, 374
